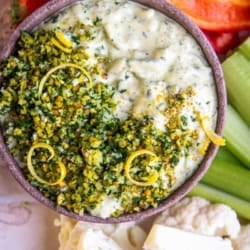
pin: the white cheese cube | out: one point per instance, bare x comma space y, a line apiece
167, 238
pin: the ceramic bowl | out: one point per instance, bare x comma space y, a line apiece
161, 5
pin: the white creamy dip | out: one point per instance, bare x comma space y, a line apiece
150, 57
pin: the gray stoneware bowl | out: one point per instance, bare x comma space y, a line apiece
161, 5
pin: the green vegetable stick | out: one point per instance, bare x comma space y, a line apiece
237, 135
230, 177
225, 154
236, 70
241, 207
244, 48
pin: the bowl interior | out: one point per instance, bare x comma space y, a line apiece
161, 5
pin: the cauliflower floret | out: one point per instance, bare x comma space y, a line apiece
95, 239
66, 226
126, 235
242, 242
198, 215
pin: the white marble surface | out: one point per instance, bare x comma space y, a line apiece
24, 223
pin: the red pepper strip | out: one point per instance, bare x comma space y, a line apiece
216, 15
31, 5
22, 8
222, 42
240, 2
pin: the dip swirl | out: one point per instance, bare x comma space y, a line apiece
104, 107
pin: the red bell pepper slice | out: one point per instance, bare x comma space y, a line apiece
222, 42
31, 5
22, 8
217, 15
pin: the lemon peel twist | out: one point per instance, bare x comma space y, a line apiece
151, 179
52, 154
62, 66
216, 139
62, 42
63, 39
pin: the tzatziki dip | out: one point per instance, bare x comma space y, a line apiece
108, 106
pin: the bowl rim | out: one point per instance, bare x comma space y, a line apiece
54, 6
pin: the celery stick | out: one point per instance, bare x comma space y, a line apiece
237, 135
229, 177
225, 154
244, 48
241, 207
236, 70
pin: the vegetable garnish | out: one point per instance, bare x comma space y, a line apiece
151, 179
52, 153
62, 66
217, 14
59, 46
